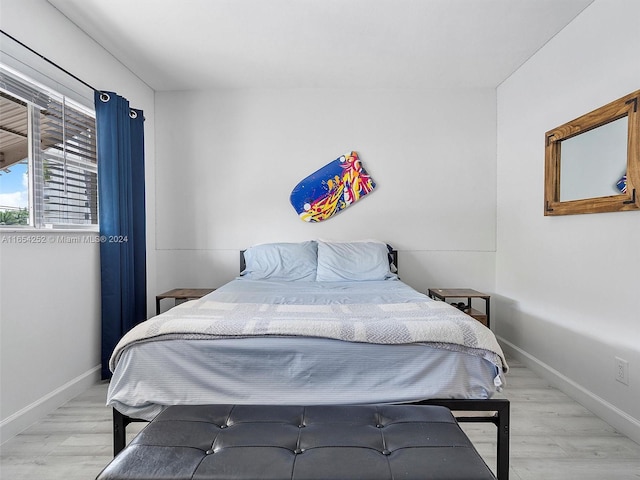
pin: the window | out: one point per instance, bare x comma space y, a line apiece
48, 168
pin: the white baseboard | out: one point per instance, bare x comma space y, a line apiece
27, 416
621, 421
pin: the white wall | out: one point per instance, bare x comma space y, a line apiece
227, 161
569, 285
50, 294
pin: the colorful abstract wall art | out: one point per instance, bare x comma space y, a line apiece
331, 189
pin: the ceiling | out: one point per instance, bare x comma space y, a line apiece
203, 44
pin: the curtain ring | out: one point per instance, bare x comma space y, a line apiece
133, 114
104, 97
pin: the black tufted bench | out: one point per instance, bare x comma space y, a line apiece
226, 442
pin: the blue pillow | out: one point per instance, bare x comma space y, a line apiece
352, 261
281, 261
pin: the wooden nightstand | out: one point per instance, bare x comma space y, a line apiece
182, 294
444, 293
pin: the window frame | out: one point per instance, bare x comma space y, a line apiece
36, 155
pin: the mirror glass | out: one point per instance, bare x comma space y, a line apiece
594, 162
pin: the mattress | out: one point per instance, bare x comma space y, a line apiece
307, 370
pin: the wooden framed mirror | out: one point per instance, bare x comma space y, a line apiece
592, 163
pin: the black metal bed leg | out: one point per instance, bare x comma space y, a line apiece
498, 413
120, 423
503, 424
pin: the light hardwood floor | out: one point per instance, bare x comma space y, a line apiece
552, 438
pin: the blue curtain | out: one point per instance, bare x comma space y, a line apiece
120, 139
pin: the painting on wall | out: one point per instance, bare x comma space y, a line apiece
331, 189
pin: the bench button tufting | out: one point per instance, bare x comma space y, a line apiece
208, 452
298, 451
379, 426
386, 452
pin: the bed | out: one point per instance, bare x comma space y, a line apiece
310, 323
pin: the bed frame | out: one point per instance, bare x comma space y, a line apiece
493, 410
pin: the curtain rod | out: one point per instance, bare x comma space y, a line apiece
49, 61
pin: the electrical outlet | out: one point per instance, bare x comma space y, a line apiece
622, 371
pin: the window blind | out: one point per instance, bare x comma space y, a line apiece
70, 187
